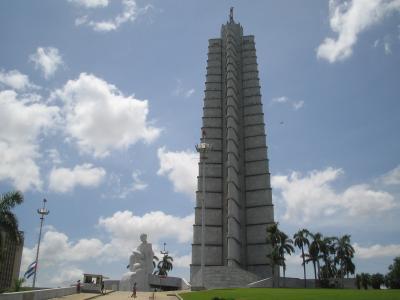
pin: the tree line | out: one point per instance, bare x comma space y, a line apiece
390, 280
331, 257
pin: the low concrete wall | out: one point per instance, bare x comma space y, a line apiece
39, 294
288, 282
111, 284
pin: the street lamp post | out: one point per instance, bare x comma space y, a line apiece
203, 148
42, 212
164, 252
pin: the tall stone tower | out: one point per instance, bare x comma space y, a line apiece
238, 198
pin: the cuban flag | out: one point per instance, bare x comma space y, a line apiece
31, 270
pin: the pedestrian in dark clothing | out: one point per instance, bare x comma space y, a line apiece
78, 286
134, 291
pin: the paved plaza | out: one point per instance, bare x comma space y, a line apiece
121, 295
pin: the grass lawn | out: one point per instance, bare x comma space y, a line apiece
293, 294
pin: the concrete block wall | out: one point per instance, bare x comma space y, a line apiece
39, 294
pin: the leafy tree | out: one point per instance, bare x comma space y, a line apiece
164, 265
392, 278
365, 280
300, 241
377, 280
8, 221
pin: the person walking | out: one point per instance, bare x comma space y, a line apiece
134, 291
78, 286
102, 287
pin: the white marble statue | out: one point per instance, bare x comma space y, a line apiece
140, 266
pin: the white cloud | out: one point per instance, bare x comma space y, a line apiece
392, 177
377, 250
90, 3
189, 93
130, 12
22, 124
137, 184
312, 197
99, 118
67, 276
121, 191
181, 168
47, 59
293, 260
183, 261
16, 80
282, 99
387, 48
124, 225
181, 91
64, 180
296, 105
348, 20
57, 256
54, 156
57, 249
61, 259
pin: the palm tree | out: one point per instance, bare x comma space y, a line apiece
164, 266
315, 249
275, 259
155, 260
8, 221
344, 253
312, 256
273, 234
285, 246
365, 280
300, 241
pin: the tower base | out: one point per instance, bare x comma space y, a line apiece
221, 277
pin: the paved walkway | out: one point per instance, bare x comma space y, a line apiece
122, 296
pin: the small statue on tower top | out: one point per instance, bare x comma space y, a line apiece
231, 15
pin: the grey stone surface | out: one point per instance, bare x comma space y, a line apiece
238, 196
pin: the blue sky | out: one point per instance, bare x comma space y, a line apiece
101, 106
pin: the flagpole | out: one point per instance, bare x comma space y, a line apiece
42, 212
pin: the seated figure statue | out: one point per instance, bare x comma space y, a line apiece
140, 266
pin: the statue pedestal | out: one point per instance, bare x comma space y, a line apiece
129, 278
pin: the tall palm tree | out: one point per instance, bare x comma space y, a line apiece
164, 265
285, 246
273, 238
8, 221
312, 256
344, 253
316, 246
300, 241
273, 234
275, 259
